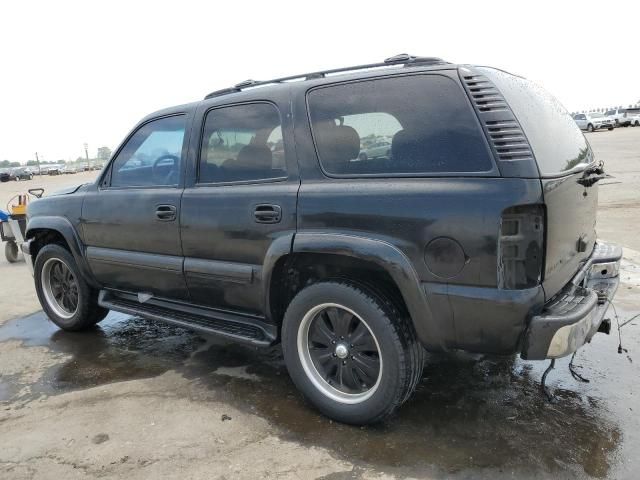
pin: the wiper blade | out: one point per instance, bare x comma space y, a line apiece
592, 175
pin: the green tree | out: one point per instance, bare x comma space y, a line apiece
104, 153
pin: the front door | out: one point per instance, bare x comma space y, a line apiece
243, 200
131, 219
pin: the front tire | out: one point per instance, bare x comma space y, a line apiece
350, 352
65, 296
589, 128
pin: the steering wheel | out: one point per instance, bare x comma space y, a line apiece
158, 167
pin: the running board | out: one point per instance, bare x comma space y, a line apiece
212, 322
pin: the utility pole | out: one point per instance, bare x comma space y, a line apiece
38, 162
86, 154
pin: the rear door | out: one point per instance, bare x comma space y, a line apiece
242, 200
562, 154
130, 220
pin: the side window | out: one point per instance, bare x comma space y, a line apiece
417, 124
152, 156
242, 143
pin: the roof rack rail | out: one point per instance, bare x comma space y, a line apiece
400, 59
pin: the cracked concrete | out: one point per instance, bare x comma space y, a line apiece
134, 399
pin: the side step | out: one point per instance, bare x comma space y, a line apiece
235, 327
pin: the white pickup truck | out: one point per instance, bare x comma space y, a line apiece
633, 116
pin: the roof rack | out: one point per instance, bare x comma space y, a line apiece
401, 59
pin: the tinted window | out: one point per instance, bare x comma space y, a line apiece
557, 142
242, 143
152, 156
402, 125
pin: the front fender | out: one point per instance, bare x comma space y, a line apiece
65, 228
394, 262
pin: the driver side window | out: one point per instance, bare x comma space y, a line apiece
152, 156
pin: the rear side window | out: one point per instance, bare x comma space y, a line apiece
557, 142
242, 143
417, 124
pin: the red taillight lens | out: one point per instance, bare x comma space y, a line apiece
521, 247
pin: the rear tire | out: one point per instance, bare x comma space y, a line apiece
65, 296
350, 352
11, 252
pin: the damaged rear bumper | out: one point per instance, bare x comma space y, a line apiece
575, 314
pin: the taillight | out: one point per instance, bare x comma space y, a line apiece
521, 247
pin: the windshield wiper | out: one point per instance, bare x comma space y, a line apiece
592, 175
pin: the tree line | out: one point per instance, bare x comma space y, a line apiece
103, 155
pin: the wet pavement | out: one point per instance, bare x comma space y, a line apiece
472, 416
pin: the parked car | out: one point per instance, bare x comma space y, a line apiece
6, 175
54, 170
379, 149
593, 121
476, 233
22, 173
69, 169
618, 116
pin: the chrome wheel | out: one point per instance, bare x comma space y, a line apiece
60, 287
339, 353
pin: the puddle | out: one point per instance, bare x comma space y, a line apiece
119, 348
471, 416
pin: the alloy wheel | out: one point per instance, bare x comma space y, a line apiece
339, 353
60, 287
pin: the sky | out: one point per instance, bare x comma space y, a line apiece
81, 71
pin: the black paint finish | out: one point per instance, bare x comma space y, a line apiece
228, 247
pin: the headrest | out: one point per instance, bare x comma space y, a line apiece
337, 144
406, 148
252, 157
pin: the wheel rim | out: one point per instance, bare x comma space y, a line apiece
60, 287
339, 353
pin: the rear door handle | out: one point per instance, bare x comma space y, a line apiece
267, 213
166, 213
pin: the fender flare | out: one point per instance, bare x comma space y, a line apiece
65, 228
376, 251
279, 248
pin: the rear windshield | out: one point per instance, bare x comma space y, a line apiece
557, 142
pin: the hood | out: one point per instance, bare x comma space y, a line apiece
68, 190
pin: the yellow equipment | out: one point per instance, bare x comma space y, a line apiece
21, 207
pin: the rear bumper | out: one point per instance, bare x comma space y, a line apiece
575, 315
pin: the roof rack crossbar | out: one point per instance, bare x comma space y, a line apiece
401, 59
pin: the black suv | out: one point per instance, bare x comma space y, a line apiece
252, 215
